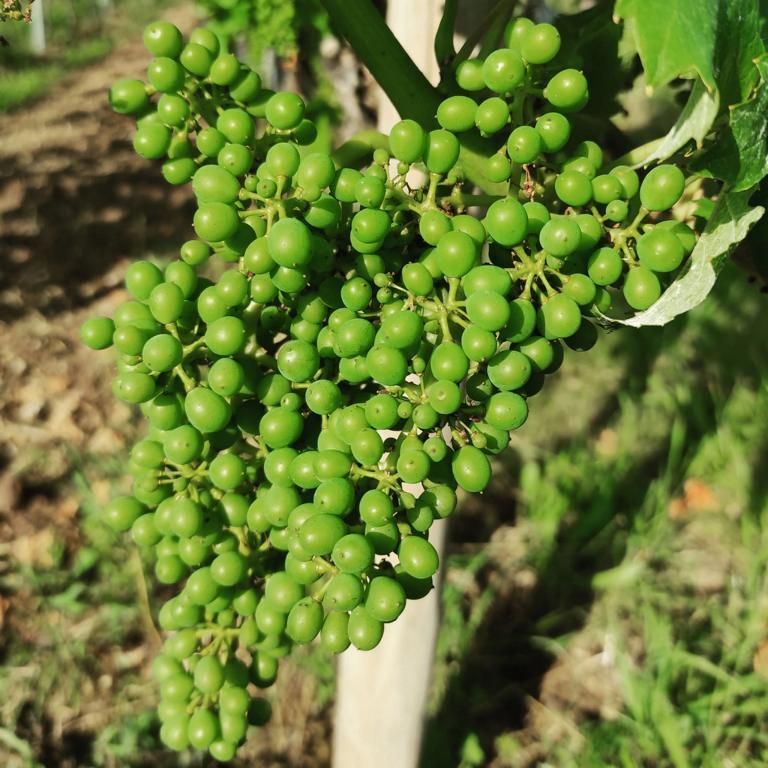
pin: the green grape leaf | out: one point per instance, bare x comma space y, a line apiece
729, 224
740, 156
673, 37
738, 45
694, 123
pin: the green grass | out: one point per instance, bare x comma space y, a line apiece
647, 613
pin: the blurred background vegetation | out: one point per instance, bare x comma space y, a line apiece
604, 603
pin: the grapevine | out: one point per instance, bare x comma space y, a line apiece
366, 348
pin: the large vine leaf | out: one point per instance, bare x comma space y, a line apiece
731, 220
673, 37
740, 156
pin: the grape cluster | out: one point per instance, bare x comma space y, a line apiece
364, 350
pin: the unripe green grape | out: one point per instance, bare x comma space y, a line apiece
660, 251
469, 75
444, 396
194, 252
559, 317
97, 332
323, 397
506, 222
215, 221
683, 232
581, 289
492, 115
628, 178
433, 225
554, 131
478, 344
606, 188
352, 554
210, 142
228, 569
203, 729
591, 231
498, 168
183, 444
417, 279
367, 447
236, 158
457, 113
605, 266
471, 226
305, 621
284, 110
540, 44
334, 636
641, 288
319, 534
441, 151
425, 416
370, 191
225, 336
128, 97
486, 277
122, 512
247, 90
386, 365
617, 210
226, 471
560, 236
134, 388
282, 592
503, 70
506, 411
509, 369
165, 74
207, 38
448, 361
662, 188
456, 254
567, 90
365, 632
487, 310
161, 38
538, 216
172, 110
162, 352
385, 599
196, 59
525, 143
225, 69
317, 170
213, 183
280, 427
151, 141
418, 557
581, 164
516, 31
573, 188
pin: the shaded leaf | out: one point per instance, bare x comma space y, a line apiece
673, 37
740, 155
